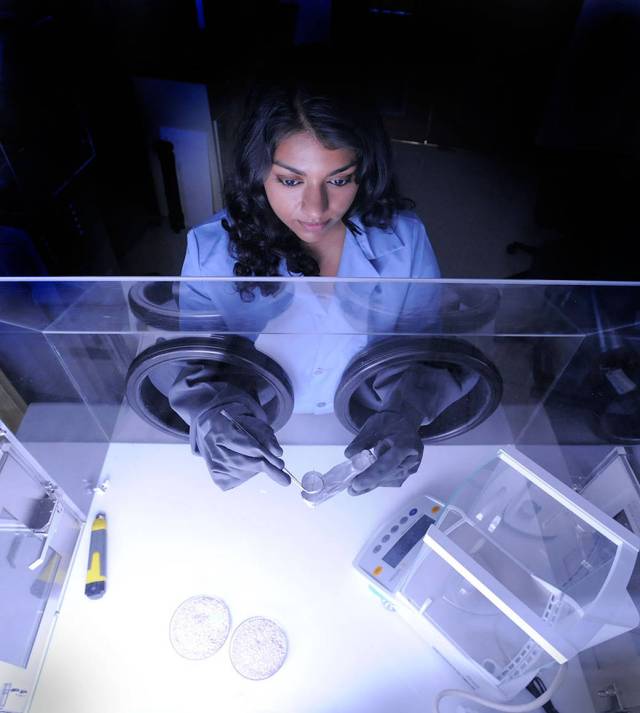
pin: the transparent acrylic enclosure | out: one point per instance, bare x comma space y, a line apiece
86, 362
527, 571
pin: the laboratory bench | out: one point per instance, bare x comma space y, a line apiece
173, 534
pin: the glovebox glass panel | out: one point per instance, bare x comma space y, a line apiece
565, 355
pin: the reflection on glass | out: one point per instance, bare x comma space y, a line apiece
566, 354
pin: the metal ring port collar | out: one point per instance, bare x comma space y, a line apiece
229, 351
157, 305
460, 417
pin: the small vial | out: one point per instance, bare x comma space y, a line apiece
322, 487
361, 461
342, 473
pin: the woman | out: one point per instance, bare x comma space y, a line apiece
312, 193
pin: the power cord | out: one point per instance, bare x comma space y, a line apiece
540, 701
536, 688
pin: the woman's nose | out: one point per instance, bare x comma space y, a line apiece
315, 202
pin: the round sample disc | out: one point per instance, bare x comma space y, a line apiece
312, 482
199, 627
258, 648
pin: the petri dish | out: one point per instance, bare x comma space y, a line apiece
258, 648
199, 627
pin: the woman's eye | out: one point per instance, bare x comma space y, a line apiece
289, 182
339, 182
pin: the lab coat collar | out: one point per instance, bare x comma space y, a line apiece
359, 252
358, 245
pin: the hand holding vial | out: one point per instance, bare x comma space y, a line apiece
318, 487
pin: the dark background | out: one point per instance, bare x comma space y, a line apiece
515, 124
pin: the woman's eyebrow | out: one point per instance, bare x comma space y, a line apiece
302, 173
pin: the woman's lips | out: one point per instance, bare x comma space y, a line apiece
313, 227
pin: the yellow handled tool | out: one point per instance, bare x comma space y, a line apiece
97, 567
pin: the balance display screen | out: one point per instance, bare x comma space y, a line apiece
415, 533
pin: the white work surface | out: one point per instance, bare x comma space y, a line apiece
173, 534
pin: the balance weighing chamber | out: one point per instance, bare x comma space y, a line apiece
516, 571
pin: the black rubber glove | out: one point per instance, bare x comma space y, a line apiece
404, 398
394, 439
228, 428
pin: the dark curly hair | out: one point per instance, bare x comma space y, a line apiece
258, 240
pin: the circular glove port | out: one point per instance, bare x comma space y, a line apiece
236, 359
467, 308
156, 304
441, 352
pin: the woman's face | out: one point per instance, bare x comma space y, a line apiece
311, 187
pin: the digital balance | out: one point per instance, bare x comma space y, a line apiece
515, 572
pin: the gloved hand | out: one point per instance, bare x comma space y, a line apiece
404, 399
394, 439
228, 428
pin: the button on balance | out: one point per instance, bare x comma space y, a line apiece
413, 511
394, 528
403, 520
321, 404
377, 548
386, 538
